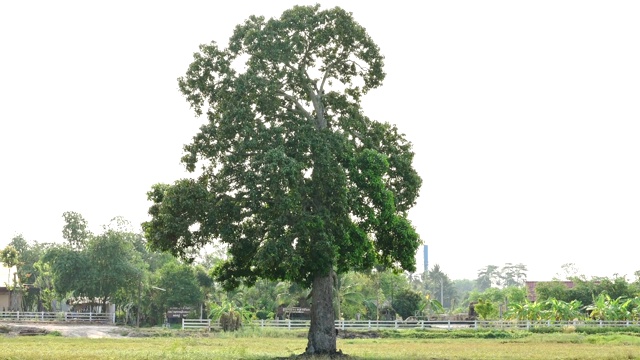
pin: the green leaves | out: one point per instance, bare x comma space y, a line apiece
107, 265
9, 256
292, 176
181, 286
75, 230
175, 211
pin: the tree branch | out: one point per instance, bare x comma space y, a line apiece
297, 103
356, 134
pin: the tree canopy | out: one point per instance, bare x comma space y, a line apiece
75, 229
289, 168
105, 266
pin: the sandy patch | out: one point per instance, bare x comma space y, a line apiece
72, 330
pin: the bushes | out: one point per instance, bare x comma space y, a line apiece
455, 334
587, 330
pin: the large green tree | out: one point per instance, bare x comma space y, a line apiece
181, 286
108, 264
292, 176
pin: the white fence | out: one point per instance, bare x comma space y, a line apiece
442, 325
415, 325
198, 324
56, 316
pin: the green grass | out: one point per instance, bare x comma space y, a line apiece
255, 344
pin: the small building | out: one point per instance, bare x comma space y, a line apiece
9, 300
87, 305
293, 313
531, 287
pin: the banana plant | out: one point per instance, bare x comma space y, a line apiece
605, 308
230, 315
485, 308
431, 305
559, 310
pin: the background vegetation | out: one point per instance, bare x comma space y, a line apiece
116, 266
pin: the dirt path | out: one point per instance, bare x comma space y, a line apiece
86, 331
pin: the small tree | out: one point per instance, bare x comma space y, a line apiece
431, 306
10, 258
485, 308
407, 303
230, 315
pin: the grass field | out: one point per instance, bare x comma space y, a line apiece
267, 346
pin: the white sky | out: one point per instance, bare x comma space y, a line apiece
524, 116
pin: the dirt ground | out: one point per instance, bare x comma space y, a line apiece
95, 331
68, 330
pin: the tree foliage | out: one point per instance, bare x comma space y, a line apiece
75, 229
9, 256
349, 298
440, 286
505, 276
290, 168
407, 303
181, 286
105, 266
485, 308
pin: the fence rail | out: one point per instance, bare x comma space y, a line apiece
443, 324
42, 316
199, 324
207, 324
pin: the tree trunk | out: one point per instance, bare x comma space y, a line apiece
322, 332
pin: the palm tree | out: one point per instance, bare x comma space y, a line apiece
486, 277
347, 292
